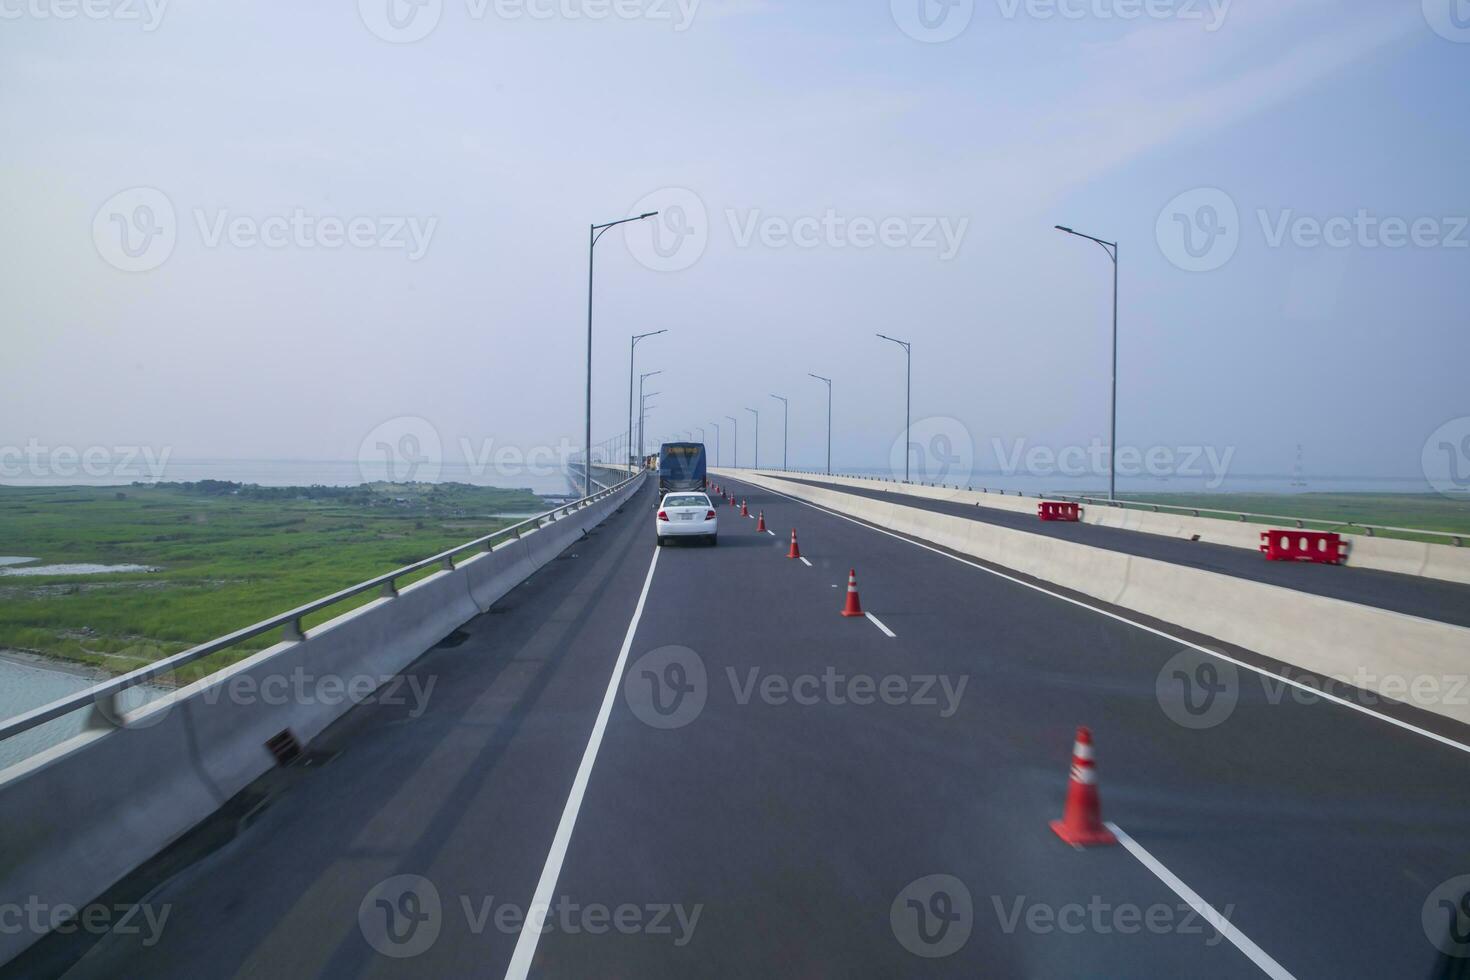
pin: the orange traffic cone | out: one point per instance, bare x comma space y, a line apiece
854, 606
760, 524
1081, 822
744, 511
795, 552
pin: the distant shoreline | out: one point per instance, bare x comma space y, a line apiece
41, 661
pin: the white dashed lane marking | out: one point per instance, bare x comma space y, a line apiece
879, 623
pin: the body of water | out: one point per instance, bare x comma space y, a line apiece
23, 687
78, 568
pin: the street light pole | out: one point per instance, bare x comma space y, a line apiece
632, 347
736, 451
828, 382
594, 233
785, 427
1112, 249
908, 398
717, 442
641, 410
757, 463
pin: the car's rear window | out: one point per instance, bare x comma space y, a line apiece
686, 500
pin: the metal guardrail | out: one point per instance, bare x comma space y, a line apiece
1456, 539
288, 622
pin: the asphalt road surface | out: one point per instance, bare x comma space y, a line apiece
1446, 602
702, 769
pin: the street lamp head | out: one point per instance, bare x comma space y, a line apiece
1066, 229
647, 214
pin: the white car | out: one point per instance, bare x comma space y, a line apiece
687, 515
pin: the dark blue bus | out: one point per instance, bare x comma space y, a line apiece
681, 466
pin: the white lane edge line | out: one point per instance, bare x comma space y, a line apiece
879, 623
806, 563
770, 532
1317, 691
1222, 925
525, 951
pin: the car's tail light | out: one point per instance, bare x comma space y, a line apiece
709, 515
663, 515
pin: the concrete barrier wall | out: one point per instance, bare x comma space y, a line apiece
78, 817
1439, 561
1360, 645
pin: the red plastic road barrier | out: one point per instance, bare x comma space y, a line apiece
1081, 822
854, 605
1316, 546
1051, 510
760, 525
795, 552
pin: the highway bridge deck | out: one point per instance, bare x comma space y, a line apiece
733, 818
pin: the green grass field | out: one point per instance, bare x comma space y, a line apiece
1428, 511
227, 557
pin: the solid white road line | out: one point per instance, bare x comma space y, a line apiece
525, 951
1315, 691
879, 623
806, 563
1222, 925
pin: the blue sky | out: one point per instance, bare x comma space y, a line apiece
499, 138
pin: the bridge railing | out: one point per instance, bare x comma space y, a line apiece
105, 694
